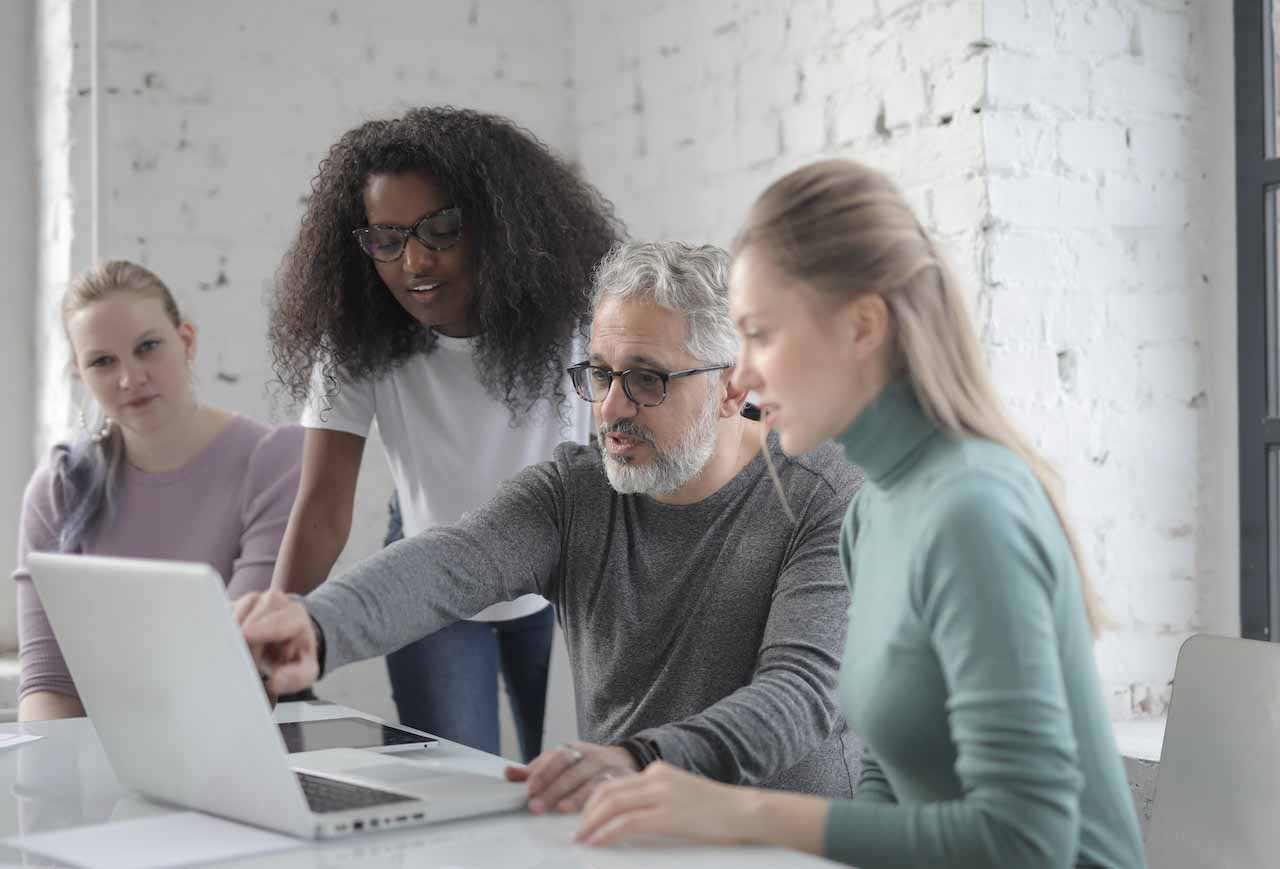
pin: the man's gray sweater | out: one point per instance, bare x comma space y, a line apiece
715, 629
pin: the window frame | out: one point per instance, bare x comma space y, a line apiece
1257, 185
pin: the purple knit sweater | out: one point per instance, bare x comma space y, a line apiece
227, 507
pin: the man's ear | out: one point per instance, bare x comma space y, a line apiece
734, 396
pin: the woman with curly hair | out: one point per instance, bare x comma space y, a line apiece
437, 284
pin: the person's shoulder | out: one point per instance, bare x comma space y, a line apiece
329, 380
986, 509
577, 461
334, 395
974, 473
824, 464
578, 468
271, 457
46, 489
564, 477
52, 466
263, 445
279, 443
982, 498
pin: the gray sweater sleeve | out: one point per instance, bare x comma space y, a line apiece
769, 725
509, 547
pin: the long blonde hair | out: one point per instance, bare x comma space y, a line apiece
90, 468
843, 229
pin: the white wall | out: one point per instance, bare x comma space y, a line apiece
209, 124
1214, 223
65, 143
1075, 158
685, 111
19, 225
215, 116
1111, 290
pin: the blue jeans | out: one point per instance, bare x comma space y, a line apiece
447, 683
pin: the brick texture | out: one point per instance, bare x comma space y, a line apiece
1072, 157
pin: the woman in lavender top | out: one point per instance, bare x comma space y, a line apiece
156, 475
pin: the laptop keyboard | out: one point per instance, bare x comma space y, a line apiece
328, 795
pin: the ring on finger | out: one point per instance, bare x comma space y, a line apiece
572, 753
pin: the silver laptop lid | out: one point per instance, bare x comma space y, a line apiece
1218, 788
174, 695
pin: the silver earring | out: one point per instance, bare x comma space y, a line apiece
101, 434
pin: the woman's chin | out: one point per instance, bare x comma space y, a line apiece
795, 440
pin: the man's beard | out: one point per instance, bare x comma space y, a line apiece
666, 470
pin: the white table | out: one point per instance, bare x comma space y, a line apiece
64, 781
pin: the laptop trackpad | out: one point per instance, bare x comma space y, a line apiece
402, 773
434, 784
428, 780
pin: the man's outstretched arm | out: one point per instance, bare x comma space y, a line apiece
509, 547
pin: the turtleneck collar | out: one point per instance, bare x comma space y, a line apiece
886, 433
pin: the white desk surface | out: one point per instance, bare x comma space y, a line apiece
1141, 738
64, 781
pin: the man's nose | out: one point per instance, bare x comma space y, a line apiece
617, 404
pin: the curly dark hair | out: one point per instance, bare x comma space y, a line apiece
537, 228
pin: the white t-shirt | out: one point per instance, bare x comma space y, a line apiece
448, 442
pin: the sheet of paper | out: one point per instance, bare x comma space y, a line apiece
8, 740
178, 839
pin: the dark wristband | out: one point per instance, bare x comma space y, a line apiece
319, 632
642, 749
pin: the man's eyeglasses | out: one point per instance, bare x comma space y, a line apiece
439, 230
644, 386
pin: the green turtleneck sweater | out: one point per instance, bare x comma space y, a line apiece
969, 667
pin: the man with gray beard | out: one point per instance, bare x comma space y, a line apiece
693, 564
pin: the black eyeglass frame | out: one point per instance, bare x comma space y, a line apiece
665, 376
405, 231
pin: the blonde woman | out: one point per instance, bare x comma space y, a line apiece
153, 473
968, 666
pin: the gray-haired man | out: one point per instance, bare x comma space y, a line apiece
704, 627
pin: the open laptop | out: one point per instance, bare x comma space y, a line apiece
1218, 786
166, 677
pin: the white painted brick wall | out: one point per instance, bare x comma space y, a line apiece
212, 129
1107, 249
1074, 158
744, 91
213, 118
19, 228
64, 140
1086, 161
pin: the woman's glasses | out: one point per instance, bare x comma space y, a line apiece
439, 230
